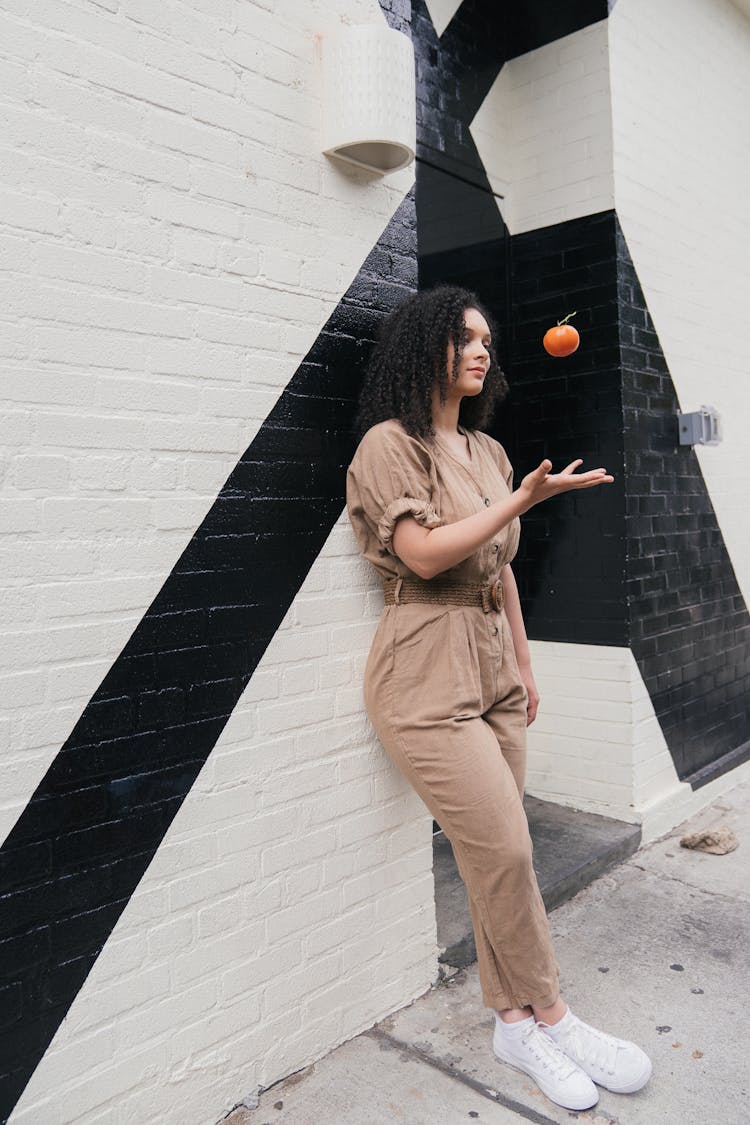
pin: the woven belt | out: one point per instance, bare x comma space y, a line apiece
489, 595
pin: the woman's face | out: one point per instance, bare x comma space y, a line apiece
473, 358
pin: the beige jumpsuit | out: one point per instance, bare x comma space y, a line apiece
444, 694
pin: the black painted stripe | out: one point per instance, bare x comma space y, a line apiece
534, 25
95, 821
689, 623
481, 36
570, 566
643, 563
571, 559
632, 565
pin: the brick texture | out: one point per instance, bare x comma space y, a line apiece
185, 302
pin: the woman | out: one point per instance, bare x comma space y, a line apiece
448, 681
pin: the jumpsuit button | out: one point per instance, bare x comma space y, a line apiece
495, 546
494, 630
487, 501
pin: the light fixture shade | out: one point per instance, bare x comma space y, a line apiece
369, 97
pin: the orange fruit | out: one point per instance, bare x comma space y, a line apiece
563, 339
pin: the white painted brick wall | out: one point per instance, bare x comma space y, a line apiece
133, 270
685, 212
581, 743
613, 761
596, 743
544, 132
171, 242
571, 129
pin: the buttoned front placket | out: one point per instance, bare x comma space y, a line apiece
493, 547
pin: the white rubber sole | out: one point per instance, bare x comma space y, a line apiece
632, 1087
569, 1104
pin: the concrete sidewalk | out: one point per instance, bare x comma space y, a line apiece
654, 951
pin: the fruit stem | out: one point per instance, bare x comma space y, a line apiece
567, 318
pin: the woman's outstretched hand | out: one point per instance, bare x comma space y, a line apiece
541, 484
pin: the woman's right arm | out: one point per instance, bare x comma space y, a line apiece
430, 551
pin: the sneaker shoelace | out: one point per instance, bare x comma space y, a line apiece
549, 1053
584, 1041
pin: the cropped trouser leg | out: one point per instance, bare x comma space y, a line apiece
473, 787
471, 792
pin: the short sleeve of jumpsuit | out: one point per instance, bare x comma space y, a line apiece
443, 691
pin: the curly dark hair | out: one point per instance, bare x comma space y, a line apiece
411, 354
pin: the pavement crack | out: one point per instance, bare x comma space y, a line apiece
682, 883
450, 1070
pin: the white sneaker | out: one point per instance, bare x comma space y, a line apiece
616, 1064
536, 1054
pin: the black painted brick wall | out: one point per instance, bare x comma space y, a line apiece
689, 625
96, 819
571, 564
397, 14
461, 233
572, 556
90, 829
641, 561
69, 867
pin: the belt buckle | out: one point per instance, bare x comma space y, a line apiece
497, 594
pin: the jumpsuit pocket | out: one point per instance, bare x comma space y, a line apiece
436, 674
436, 665
422, 667
416, 625
511, 658
466, 667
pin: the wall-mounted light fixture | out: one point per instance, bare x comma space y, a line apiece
702, 427
369, 98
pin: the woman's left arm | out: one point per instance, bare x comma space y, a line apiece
520, 642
